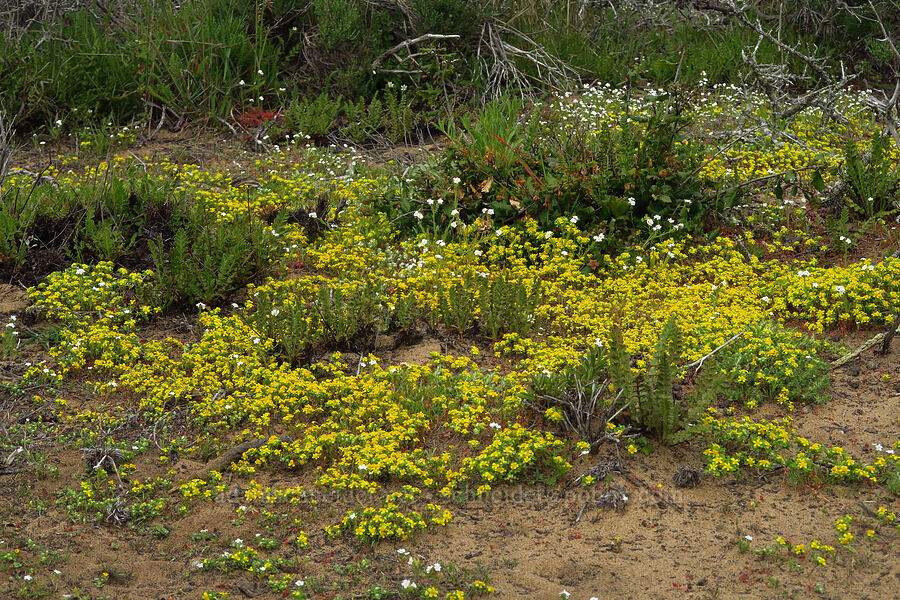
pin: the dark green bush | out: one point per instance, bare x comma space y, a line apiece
532, 165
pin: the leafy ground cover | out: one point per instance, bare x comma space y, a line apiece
317, 377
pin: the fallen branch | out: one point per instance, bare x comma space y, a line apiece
699, 362
884, 338
636, 481
774, 175
888, 336
231, 455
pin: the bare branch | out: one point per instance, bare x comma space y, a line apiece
404, 45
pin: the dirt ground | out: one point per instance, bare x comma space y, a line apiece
535, 542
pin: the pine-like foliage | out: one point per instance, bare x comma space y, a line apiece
653, 404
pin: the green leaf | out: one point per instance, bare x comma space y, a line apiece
817, 181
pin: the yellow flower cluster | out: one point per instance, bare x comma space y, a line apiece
94, 294
388, 520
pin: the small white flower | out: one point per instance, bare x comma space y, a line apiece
598, 342
259, 72
363, 467
274, 312
478, 253
631, 201
407, 584
313, 215
599, 237
495, 425
418, 215
749, 538
299, 583
26, 577
456, 180
574, 219
840, 290
765, 299
238, 542
241, 82
499, 232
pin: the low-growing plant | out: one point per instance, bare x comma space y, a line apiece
18, 211
398, 117
361, 120
650, 395
768, 362
314, 118
581, 398
508, 305
207, 260
873, 181
9, 339
315, 311
457, 302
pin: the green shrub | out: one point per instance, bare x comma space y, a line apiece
533, 164
189, 59
339, 21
